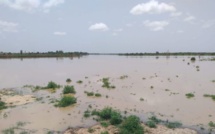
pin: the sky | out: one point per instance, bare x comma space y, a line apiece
107, 26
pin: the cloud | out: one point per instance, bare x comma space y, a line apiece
189, 18
156, 25
208, 24
31, 5
99, 27
60, 33
52, 3
152, 7
8, 26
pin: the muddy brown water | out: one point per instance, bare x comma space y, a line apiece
162, 73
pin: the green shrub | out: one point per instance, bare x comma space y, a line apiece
98, 95
106, 132
211, 96
116, 118
68, 80
151, 124
106, 113
69, 89
87, 114
2, 105
131, 125
104, 124
190, 95
193, 59
95, 112
155, 119
106, 83
52, 85
79, 81
90, 93
66, 101
90, 130
211, 124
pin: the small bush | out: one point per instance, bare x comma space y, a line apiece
66, 101
95, 112
87, 114
151, 124
2, 105
193, 59
68, 80
69, 89
106, 83
52, 85
155, 119
211, 96
131, 125
211, 124
98, 95
106, 132
79, 81
106, 113
116, 118
90, 93
190, 95
104, 124
90, 130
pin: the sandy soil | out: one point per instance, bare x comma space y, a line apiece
97, 129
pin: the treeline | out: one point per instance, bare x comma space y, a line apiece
170, 54
22, 54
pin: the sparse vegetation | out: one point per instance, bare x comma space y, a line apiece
52, 85
68, 80
123, 77
190, 95
2, 105
211, 124
211, 96
69, 89
106, 84
90, 130
66, 101
87, 114
193, 59
173, 125
106, 132
105, 123
141, 99
79, 81
98, 95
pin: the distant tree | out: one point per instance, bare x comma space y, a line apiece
21, 51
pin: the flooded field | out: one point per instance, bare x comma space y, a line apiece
172, 88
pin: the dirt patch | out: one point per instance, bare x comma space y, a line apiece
98, 129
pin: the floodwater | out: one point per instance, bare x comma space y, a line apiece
161, 81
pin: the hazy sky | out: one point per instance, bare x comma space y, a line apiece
107, 25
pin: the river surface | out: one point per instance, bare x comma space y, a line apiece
161, 81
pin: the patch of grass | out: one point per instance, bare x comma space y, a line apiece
213, 81
68, 80
190, 95
2, 105
105, 124
79, 81
90, 93
9, 131
106, 84
155, 119
211, 96
95, 112
211, 124
98, 95
173, 125
131, 125
69, 89
66, 101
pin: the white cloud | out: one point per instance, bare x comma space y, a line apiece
8, 26
99, 27
156, 25
60, 33
152, 6
31, 5
189, 18
175, 14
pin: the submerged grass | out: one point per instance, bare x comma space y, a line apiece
190, 95
69, 89
211, 96
2, 105
66, 101
106, 84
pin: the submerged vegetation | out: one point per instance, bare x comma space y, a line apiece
211, 96
66, 101
69, 89
190, 95
106, 84
68, 80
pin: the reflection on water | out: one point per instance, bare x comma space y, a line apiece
170, 77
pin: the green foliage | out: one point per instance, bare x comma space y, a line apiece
105, 124
66, 101
79, 81
9, 131
151, 124
116, 118
95, 112
131, 125
106, 132
211, 96
87, 114
68, 80
52, 85
211, 124
2, 105
193, 59
190, 95
173, 124
106, 113
69, 89
155, 119
106, 84
98, 95
90, 93
141, 99
90, 130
